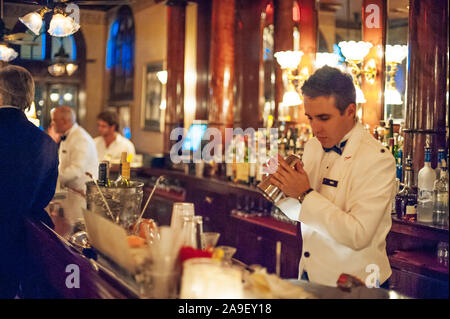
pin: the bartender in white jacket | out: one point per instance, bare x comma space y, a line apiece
343, 193
77, 152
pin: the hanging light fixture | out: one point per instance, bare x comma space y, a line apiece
34, 20
62, 64
7, 54
61, 24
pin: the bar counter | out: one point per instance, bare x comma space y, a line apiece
255, 238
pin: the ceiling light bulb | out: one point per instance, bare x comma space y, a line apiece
33, 21
61, 26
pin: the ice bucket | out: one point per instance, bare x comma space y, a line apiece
124, 202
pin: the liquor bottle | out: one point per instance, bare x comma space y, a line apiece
440, 198
124, 175
399, 164
103, 174
441, 159
229, 160
390, 127
406, 199
425, 182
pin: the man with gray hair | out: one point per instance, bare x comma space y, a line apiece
77, 151
28, 174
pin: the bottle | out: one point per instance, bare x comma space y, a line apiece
440, 198
390, 127
399, 165
406, 199
124, 175
441, 159
103, 174
425, 182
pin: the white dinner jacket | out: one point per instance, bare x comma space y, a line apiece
77, 155
344, 228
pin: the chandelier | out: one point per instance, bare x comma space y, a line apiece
61, 24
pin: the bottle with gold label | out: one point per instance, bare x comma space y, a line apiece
124, 174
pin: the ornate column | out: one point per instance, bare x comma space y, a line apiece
427, 79
374, 31
308, 42
203, 50
283, 41
176, 25
220, 112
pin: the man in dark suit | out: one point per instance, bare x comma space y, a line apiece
28, 174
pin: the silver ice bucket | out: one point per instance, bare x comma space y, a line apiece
124, 203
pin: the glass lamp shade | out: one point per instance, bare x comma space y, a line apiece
360, 98
396, 53
325, 58
71, 68
33, 21
355, 50
57, 69
392, 96
288, 59
6, 53
291, 98
61, 26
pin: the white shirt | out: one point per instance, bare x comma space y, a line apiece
115, 149
77, 155
344, 227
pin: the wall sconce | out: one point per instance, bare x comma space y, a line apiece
293, 78
394, 56
354, 53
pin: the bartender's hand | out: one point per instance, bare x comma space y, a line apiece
292, 181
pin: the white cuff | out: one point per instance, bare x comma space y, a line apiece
290, 207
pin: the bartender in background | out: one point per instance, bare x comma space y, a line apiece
28, 173
343, 194
77, 152
110, 144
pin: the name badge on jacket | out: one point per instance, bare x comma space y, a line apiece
330, 182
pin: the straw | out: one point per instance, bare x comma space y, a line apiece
104, 200
148, 199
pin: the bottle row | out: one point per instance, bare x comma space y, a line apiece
124, 173
427, 201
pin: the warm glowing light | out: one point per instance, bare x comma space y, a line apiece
396, 53
54, 97
6, 53
162, 76
68, 97
355, 51
392, 96
33, 21
325, 58
62, 26
71, 68
289, 59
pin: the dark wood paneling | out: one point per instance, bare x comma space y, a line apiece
283, 41
375, 34
220, 113
176, 29
427, 78
203, 49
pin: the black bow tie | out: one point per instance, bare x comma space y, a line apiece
337, 149
63, 137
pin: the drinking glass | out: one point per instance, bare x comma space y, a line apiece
179, 211
209, 239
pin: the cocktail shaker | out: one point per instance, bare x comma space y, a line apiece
270, 191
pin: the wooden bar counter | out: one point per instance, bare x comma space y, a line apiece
411, 246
